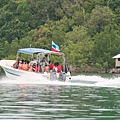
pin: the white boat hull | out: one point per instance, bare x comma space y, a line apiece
15, 73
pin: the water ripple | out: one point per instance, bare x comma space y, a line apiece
28, 102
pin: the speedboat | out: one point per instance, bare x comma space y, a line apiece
14, 73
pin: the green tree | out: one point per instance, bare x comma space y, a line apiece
99, 18
106, 46
78, 47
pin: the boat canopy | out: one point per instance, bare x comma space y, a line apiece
38, 51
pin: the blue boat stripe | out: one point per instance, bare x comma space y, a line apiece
11, 73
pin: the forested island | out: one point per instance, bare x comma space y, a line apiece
87, 31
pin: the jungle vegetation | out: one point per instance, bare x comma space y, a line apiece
87, 31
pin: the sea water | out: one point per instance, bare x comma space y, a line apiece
84, 97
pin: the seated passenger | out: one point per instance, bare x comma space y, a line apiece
21, 65
25, 65
59, 68
42, 65
31, 68
55, 67
16, 64
33, 61
37, 68
51, 66
46, 68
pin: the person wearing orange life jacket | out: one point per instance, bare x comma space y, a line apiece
25, 65
47, 68
21, 65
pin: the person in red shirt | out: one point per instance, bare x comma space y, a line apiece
59, 68
51, 66
37, 68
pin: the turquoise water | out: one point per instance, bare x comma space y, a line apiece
86, 97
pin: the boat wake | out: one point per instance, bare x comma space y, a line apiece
80, 80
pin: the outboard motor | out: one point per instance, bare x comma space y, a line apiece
62, 77
53, 76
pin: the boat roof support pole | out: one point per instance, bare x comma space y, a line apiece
63, 63
17, 55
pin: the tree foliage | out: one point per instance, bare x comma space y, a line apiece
87, 31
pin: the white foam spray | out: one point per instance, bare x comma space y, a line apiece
80, 80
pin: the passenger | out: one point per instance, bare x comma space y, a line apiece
21, 65
59, 68
33, 61
16, 64
46, 68
55, 67
37, 68
51, 66
32, 64
43, 66
31, 68
25, 65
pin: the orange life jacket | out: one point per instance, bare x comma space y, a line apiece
20, 66
46, 69
25, 67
